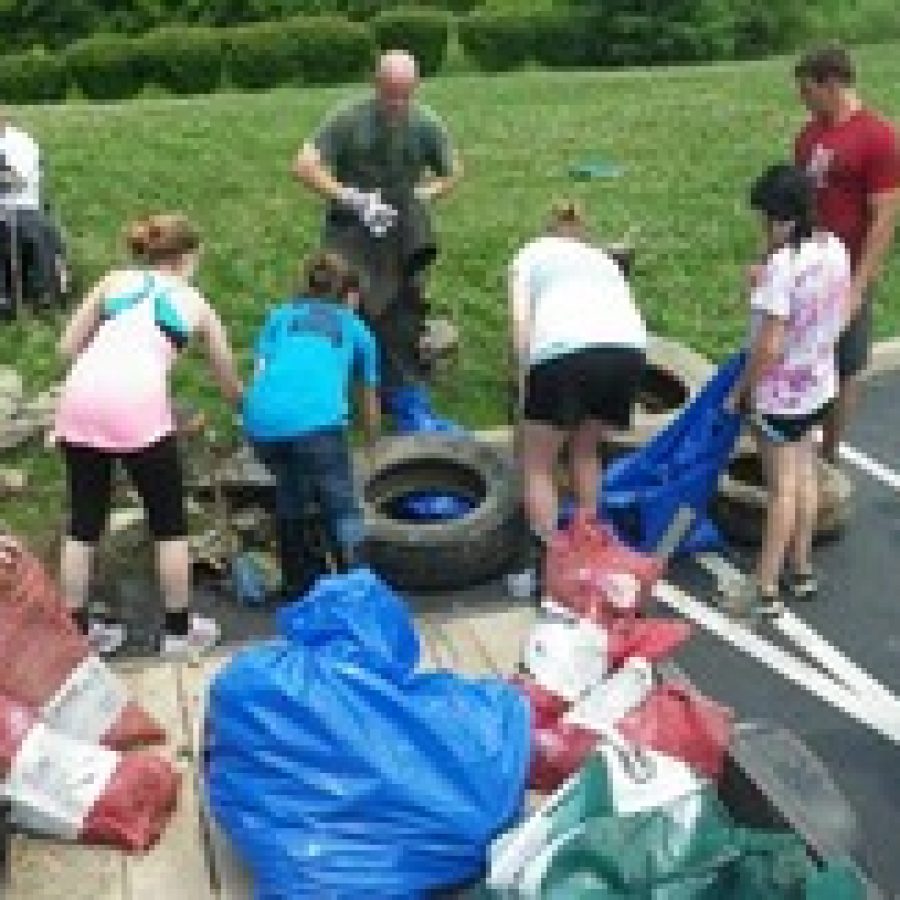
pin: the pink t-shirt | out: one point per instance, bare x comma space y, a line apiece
806, 287
116, 396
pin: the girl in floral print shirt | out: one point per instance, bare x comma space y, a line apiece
791, 379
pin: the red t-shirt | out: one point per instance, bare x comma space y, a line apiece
850, 161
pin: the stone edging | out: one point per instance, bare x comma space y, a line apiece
885, 357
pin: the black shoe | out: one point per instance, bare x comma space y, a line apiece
298, 572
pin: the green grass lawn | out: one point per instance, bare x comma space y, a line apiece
690, 139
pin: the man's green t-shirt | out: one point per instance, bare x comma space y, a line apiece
362, 149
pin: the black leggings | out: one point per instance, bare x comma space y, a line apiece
155, 472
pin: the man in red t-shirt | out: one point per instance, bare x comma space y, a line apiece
854, 157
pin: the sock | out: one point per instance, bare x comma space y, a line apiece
176, 622
80, 616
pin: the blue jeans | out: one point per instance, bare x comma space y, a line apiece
316, 467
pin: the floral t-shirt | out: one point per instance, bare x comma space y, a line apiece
806, 287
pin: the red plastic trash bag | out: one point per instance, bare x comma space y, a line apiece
558, 751
592, 573
65, 788
674, 720
651, 639
681, 722
47, 664
547, 708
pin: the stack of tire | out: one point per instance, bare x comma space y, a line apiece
460, 552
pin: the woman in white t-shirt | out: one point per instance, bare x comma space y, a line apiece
797, 313
580, 341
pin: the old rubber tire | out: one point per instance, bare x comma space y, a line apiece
450, 554
740, 506
674, 375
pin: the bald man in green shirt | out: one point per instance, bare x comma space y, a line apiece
380, 162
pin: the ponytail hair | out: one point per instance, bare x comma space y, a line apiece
328, 276
567, 218
161, 238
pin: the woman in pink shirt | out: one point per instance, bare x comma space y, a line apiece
116, 405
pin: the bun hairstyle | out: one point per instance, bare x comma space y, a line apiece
567, 218
161, 238
328, 276
785, 193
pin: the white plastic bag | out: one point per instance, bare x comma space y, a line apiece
567, 658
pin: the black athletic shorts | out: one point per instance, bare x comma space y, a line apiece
155, 472
598, 383
790, 429
855, 345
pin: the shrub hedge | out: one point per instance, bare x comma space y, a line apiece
309, 50
339, 47
323, 50
34, 77
57, 23
630, 32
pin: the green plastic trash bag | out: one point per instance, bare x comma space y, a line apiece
617, 780
682, 851
837, 881
772, 865
636, 825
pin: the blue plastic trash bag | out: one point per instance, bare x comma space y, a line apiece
413, 414
680, 466
431, 506
339, 771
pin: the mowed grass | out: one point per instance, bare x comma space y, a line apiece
690, 139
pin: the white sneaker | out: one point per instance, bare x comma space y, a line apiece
106, 638
203, 634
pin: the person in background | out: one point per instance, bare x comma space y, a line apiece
20, 196
380, 162
115, 405
297, 413
791, 381
853, 156
580, 342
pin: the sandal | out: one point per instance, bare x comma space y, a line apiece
769, 605
804, 586
748, 600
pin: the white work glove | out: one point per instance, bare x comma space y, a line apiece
355, 199
376, 215
424, 193
379, 218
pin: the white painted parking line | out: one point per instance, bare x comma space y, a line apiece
871, 466
838, 664
868, 711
